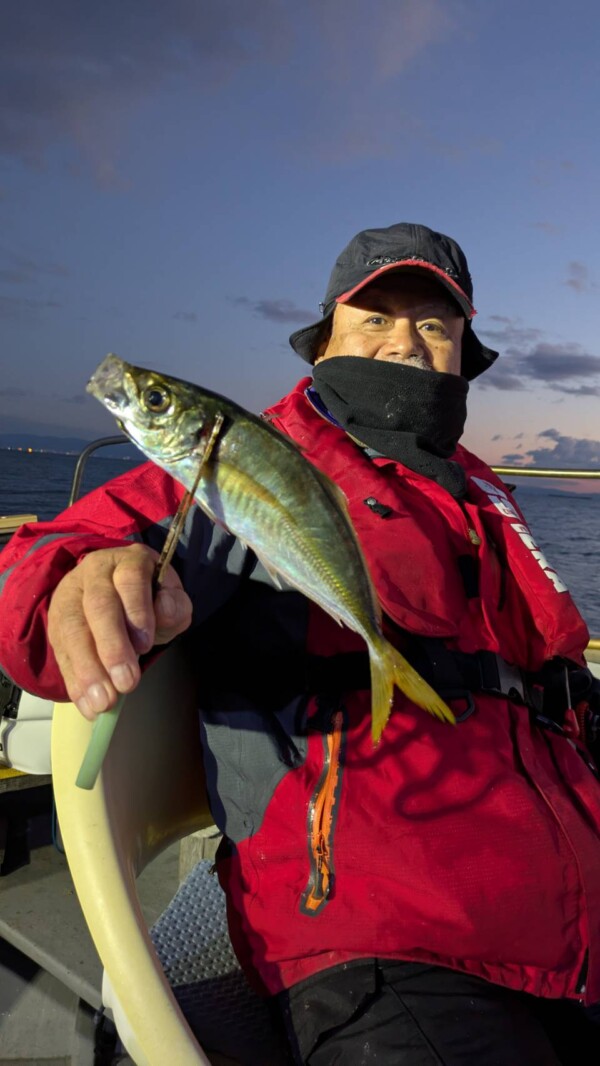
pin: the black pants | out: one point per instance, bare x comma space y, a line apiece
408, 1014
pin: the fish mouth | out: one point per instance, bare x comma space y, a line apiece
107, 383
115, 401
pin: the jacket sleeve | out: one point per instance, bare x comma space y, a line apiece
137, 506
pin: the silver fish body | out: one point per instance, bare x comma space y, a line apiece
257, 483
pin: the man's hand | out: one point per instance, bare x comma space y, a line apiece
102, 616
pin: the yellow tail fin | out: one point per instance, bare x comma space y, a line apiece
389, 669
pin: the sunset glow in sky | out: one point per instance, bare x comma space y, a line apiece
177, 179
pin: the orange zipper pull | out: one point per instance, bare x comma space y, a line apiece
321, 820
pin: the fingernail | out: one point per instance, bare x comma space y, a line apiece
122, 677
168, 607
141, 640
96, 698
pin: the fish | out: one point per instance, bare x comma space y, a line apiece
253, 480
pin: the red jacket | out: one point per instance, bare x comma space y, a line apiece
474, 847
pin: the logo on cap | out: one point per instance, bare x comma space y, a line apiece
386, 260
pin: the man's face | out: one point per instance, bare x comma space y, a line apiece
402, 318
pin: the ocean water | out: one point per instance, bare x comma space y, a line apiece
565, 524
40, 482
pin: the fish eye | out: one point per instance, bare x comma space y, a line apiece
156, 399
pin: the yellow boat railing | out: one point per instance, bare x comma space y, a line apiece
542, 471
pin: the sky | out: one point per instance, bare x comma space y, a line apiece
177, 180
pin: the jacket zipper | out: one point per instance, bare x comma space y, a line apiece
322, 814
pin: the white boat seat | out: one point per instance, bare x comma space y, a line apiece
149, 794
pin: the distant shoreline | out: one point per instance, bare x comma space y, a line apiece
73, 454
113, 453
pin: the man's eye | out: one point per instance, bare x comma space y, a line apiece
376, 320
433, 327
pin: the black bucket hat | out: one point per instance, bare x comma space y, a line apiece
417, 250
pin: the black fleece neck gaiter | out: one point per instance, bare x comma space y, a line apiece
414, 416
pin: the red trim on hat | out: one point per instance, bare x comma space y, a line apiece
407, 263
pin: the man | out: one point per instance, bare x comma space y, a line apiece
435, 899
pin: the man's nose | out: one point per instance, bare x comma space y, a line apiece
403, 342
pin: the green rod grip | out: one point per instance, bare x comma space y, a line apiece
102, 732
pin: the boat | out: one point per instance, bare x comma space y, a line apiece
121, 953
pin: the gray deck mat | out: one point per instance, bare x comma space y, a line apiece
193, 945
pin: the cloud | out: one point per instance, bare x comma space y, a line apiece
391, 40
573, 452
14, 393
556, 365
577, 390
546, 227
354, 136
547, 171
20, 269
555, 362
76, 398
13, 277
579, 278
186, 316
78, 71
509, 331
503, 375
281, 310
362, 59
19, 309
